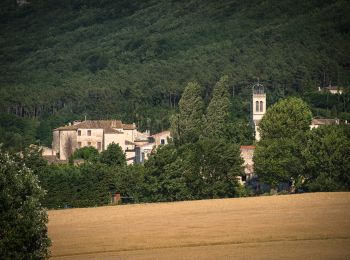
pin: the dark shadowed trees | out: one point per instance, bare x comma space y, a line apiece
327, 159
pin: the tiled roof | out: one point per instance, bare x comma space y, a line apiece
247, 147
99, 124
129, 126
161, 133
112, 131
67, 127
333, 88
324, 121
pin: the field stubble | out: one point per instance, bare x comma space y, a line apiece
313, 225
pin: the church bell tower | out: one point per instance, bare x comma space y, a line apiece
258, 107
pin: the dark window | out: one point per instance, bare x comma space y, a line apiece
257, 106
79, 132
162, 141
89, 132
261, 106
89, 143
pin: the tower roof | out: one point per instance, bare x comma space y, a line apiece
258, 89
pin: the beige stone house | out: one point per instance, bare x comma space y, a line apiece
95, 133
100, 133
144, 150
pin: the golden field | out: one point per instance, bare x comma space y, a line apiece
304, 226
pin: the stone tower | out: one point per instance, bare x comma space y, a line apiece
258, 107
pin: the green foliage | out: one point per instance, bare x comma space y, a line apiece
216, 165
87, 153
164, 177
62, 60
278, 161
218, 111
113, 155
187, 124
286, 119
327, 159
278, 156
202, 170
23, 231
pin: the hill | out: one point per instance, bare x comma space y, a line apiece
62, 60
311, 226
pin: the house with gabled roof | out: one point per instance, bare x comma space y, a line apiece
96, 133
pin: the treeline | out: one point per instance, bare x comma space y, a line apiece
62, 60
203, 159
195, 171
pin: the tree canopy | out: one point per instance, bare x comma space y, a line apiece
327, 153
278, 156
218, 112
23, 231
113, 155
187, 124
63, 60
286, 119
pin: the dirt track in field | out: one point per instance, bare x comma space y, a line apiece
308, 226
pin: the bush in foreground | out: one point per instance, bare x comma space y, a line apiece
23, 231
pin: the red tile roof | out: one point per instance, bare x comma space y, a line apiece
247, 147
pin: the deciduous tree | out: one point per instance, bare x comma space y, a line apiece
327, 158
23, 231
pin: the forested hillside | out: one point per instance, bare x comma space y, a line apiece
65, 59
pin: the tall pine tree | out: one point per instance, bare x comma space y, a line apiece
218, 111
187, 125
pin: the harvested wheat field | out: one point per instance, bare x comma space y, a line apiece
305, 226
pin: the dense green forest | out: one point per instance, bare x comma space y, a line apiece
65, 59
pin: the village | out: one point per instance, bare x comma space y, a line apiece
157, 129
138, 146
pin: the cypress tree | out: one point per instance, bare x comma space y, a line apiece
218, 111
187, 124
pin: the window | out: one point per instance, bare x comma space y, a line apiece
79, 132
99, 146
89, 132
79, 144
89, 143
261, 106
162, 141
256, 106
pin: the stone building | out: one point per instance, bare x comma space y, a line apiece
95, 133
100, 133
144, 150
317, 122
